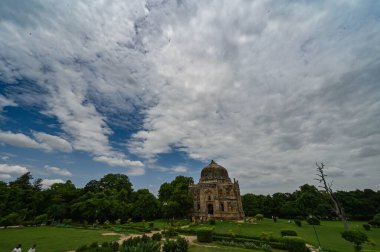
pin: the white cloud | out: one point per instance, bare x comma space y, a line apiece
18, 169
254, 85
58, 171
179, 169
42, 141
5, 176
5, 102
46, 183
21, 140
119, 161
135, 172
54, 142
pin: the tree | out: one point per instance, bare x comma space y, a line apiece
335, 203
356, 237
309, 199
176, 201
146, 205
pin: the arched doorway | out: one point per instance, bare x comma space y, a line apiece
210, 209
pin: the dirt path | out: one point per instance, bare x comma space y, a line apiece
191, 239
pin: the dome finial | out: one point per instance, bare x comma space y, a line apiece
212, 161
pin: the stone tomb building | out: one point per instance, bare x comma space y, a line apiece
215, 196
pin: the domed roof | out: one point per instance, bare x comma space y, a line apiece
214, 172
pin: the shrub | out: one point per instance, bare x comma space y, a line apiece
106, 224
295, 244
156, 237
205, 234
375, 221
211, 221
114, 246
298, 223
171, 232
264, 236
143, 244
150, 224
367, 227
356, 237
259, 217
40, 219
179, 245
10, 219
313, 221
288, 233
66, 221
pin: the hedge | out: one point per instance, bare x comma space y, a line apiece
205, 234
295, 244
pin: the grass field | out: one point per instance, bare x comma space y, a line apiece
328, 232
50, 239
216, 249
55, 239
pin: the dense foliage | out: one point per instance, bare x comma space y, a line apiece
295, 244
112, 199
108, 200
356, 237
205, 234
308, 200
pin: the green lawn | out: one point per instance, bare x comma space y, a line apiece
50, 239
218, 248
328, 232
54, 239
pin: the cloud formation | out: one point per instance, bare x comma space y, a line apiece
264, 88
16, 169
58, 171
47, 183
42, 141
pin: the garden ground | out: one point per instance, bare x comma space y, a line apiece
59, 239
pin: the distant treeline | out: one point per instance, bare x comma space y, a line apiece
113, 199
308, 200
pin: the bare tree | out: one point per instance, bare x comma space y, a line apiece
335, 204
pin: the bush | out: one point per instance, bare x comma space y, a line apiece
67, 221
106, 224
40, 219
211, 222
156, 237
10, 219
313, 221
264, 236
171, 232
295, 244
298, 223
375, 221
356, 237
114, 246
288, 233
143, 243
259, 217
179, 245
205, 234
367, 227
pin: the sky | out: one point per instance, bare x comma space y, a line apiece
158, 89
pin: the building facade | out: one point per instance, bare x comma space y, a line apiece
215, 196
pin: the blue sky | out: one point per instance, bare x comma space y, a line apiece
156, 89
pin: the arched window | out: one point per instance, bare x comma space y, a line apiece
222, 207
209, 197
